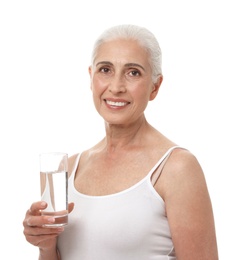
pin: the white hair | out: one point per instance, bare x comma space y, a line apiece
140, 34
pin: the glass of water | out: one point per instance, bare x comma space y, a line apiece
54, 186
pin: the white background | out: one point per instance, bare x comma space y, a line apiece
46, 105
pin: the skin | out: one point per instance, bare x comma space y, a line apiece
122, 87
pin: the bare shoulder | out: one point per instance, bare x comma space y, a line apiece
183, 179
183, 159
182, 166
188, 207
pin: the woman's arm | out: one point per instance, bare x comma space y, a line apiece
49, 255
188, 206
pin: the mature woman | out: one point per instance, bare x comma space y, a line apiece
135, 195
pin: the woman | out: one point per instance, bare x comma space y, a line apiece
136, 194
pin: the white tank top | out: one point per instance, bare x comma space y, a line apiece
128, 225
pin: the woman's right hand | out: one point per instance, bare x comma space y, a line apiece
43, 237
35, 233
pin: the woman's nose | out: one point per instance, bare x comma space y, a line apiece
117, 84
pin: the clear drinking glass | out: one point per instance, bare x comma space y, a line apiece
54, 186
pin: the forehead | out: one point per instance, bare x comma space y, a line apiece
122, 51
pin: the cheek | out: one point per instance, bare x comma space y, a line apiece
141, 99
141, 93
98, 85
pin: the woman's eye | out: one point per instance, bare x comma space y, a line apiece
134, 73
104, 70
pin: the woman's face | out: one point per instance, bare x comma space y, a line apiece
121, 81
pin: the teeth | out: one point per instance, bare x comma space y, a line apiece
118, 104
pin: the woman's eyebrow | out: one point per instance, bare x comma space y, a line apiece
134, 65
104, 63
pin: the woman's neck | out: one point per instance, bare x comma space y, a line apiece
120, 137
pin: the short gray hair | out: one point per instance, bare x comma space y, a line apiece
140, 34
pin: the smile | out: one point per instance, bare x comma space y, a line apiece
117, 104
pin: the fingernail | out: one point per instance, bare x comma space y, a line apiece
51, 220
43, 204
60, 229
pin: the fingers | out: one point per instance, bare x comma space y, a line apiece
34, 221
36, 207
34, 218
33, 215
40, 240
70, 207
34, 231
42, 237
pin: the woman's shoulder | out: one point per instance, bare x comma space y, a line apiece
182, 159
182, 171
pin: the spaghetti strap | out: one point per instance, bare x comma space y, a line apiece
76, 162
157, 169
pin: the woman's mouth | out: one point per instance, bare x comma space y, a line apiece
116, 103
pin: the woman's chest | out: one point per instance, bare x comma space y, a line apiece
103, 177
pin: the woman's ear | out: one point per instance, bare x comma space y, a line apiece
156, 87
90, 73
